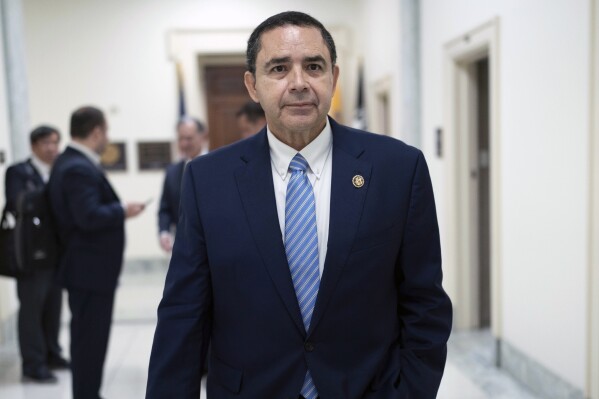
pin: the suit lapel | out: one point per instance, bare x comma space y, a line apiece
254, 181
346, 207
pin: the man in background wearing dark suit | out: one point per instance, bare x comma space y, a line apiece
308, 255
192, 139
39, 297
90, 220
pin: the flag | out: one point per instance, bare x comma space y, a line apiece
359, 121
181, 90
336, 111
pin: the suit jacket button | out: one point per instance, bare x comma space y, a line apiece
309, 346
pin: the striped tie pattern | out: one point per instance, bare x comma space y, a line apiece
301, 246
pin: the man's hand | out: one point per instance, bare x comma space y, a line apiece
166, 241
133, 209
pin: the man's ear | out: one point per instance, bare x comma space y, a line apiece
250, 84
96, 132
335, 76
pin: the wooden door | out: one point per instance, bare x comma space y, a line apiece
226, 93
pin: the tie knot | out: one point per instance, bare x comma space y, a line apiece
298, 163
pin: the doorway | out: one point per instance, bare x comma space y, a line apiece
592, 386
480, 168
225, 95
473, 189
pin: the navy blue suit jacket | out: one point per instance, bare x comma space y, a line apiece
381, 319
168, 212
90, 221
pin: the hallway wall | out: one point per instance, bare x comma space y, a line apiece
114, 54
544, 116
7, 286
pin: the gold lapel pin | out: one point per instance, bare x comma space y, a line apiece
358, 181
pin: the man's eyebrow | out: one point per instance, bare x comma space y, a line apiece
280, 60
315, 58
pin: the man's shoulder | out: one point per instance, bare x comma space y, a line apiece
70, 160
230, 156
374, 143
19, 168
174, 167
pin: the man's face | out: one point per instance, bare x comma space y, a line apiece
189, 140
294, 80
248, 128
46, 149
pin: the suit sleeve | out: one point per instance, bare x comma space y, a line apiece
184, 314
425, 311
84, 198
15, 183
164, 216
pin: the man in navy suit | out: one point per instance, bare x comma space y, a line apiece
90, 220
191, 140
39, 297
307, 254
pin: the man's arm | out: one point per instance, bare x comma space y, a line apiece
80, 186
15, 184
182, 333
424, 308
164, 217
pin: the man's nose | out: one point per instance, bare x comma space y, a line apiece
298, 81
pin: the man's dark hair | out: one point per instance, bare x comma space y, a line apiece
84, 120
41, 132
199, 125
252, 110
285, 18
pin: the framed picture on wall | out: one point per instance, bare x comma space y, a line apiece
154, 155
114, 157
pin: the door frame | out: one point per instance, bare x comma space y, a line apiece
462, 256
592, 386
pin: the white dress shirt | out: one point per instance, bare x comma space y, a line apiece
88, 152
42, 168
320, 160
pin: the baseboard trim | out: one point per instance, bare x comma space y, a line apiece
534, 376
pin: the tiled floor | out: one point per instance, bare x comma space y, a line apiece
469, 373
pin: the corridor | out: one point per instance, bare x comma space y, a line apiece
469, 373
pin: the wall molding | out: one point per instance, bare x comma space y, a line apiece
534, 376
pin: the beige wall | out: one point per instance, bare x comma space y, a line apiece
544, 116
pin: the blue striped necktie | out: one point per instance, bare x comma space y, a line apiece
301, 246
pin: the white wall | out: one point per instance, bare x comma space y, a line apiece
380, 47
543, 99
113, 54
8, 302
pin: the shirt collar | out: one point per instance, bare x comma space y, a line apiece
42, 167
88, 152
315, 153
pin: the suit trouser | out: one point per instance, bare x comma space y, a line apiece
90, 328
39, 318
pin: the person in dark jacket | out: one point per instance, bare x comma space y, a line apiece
90, 220
40, 299
192, 138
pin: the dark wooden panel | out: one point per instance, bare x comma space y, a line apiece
226, 94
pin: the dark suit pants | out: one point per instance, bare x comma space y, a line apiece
39, 319
90, 328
